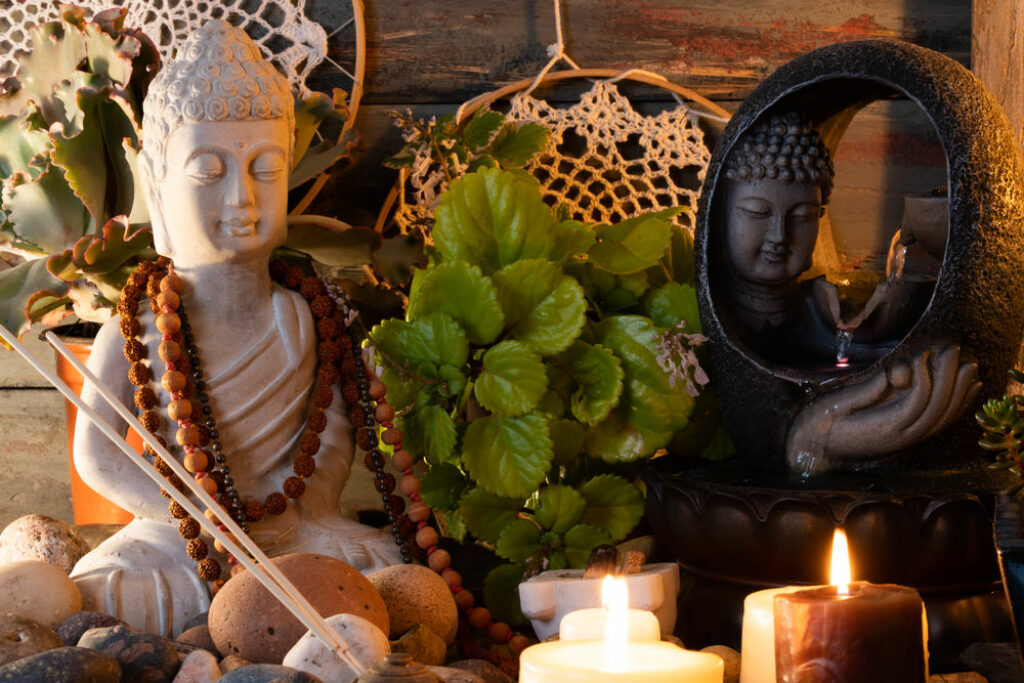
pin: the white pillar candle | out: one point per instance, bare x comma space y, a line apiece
757, 664
583, 661
589, 624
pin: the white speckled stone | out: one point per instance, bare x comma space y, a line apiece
199, 667
367, 642
39, 591
38, 537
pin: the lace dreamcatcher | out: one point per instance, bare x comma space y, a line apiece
297, 45
605, 160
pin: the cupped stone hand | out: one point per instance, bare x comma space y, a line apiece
902, 403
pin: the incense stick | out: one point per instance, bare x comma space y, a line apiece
265, 571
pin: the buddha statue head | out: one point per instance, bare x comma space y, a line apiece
218, 140
779, 177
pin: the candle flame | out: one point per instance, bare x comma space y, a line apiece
841, 574
615, 599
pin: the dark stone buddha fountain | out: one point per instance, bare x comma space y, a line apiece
847, 411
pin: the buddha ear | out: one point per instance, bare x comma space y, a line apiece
148, 176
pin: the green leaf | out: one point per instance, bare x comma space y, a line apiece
19, 144
464, 293
17, 285
442, 485
572, 238
653, 405
631, 245
501, 594
44, 211
481, 129
331, 242
433, 339
513, 379
508, 456
487, 515
671, 303
567, 440
101, 254
490, 219
613, 504
521, 144
597, 374
550, 406
429, 433
559, 507
544, 308
580, 540
57, 50
402, 392
519, 541
681, 255
320, 157
398, 255
108, 56
311, 110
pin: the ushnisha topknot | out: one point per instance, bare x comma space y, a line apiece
783, 147
217, 75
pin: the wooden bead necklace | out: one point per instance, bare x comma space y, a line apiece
371, 416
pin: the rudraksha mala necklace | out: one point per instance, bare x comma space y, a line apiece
190, 408
371, 416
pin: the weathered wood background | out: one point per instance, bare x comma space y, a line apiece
432, 55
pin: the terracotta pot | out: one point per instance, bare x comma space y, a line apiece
89, 507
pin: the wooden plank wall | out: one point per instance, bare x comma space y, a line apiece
429, 56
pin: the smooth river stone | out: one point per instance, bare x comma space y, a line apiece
198, 667
198, 636
63, 665
38, 537
38, 591
71, 629
366, 642
21, 637
268, 673
417, 595
143, 656
247, 621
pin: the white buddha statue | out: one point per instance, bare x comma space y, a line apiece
219, 133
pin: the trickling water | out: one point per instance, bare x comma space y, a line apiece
844, 336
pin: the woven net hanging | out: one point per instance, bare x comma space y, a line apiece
294, 43
605, 160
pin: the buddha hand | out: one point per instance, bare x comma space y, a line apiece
901, 404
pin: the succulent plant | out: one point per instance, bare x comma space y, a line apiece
73, 222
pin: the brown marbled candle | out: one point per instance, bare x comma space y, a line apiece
875, 634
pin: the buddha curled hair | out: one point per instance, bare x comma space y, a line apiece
217, 75
783, 147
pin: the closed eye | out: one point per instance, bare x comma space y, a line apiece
754, 213
205, 167
268, 166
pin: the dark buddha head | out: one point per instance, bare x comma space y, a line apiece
779, 177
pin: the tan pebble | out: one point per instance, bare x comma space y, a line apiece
425, 646
21, 637
38, 591
38, 537
198, 667
232, 662
246, 621
416, 595
731, 658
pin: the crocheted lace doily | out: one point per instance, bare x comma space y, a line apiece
605, 161
294, 43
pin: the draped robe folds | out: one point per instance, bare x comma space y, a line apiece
260, 400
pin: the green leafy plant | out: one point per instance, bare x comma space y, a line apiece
1002, 422
537, 357
73, 223
487, 140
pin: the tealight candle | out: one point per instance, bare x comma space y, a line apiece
619, 657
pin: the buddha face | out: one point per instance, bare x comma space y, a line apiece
770, 229
224, 193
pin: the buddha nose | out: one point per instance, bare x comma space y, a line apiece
776, 229
240, 191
